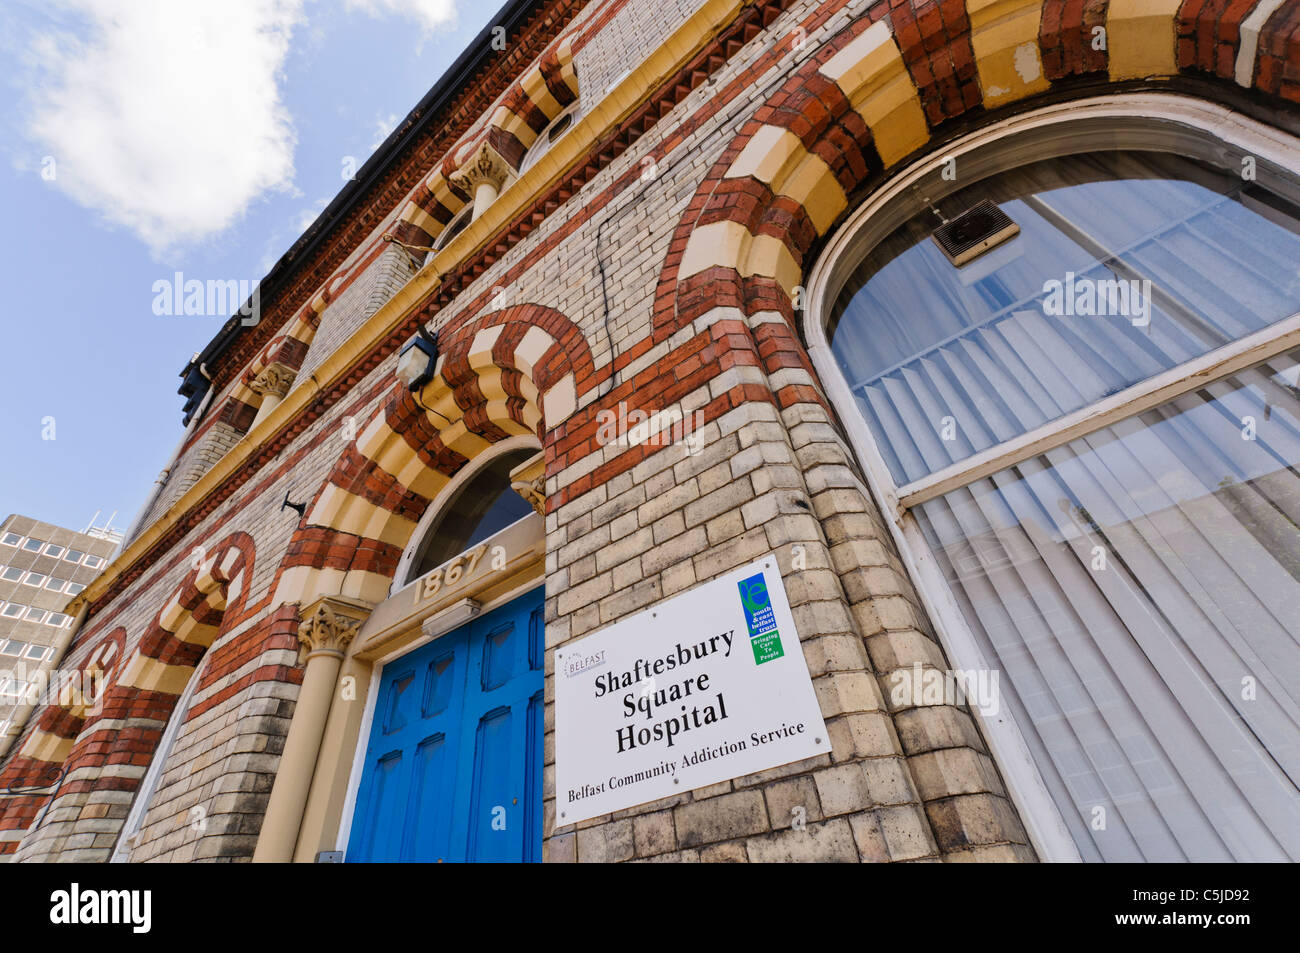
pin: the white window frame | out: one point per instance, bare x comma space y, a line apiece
75, 562
446, 235
153, 774
543, 143
28, 617
27, 579
1151, 122
40, 544
13, 605
4, 540
9, 569
68, 588
98, 561
53, 555
62, 583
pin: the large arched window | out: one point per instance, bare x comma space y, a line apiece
479, 507
1089, 435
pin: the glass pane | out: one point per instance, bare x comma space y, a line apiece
486, 505
1138, 590
1126, 265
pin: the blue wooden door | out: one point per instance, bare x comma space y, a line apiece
453, 767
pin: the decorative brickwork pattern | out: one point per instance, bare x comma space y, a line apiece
660, 273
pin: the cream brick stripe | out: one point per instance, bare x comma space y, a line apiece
1004, 38
874, 79
878, 85
1142, 38
1244, 74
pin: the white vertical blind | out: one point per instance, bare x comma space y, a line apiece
1160, 695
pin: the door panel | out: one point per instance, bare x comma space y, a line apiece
428, 819
453, 767
492, 818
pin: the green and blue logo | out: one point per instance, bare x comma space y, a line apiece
760, 619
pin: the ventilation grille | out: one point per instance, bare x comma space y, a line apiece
973, 232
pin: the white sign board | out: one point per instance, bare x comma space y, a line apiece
703, 687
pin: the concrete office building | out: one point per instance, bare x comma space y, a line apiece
973, 320
42, 567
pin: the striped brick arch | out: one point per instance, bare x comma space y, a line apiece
874, 94
517, 371
533, 100
107, 747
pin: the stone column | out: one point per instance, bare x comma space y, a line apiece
328, 627
272, 383
482, 177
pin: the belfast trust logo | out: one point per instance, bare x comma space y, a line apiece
764, 639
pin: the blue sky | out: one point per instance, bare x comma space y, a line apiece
200, 137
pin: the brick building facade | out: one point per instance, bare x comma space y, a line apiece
661, 206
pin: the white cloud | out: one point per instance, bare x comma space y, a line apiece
167, 117
384, 125
430, 14
308, 215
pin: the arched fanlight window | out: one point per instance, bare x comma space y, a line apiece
479, 508
1088, 435
549, 136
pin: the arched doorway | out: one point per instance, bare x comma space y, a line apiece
451, 764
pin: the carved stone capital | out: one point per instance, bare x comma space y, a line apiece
529, 481
274, 380
486, 166
330, 624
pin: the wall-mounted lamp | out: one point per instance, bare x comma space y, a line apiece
417, 361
